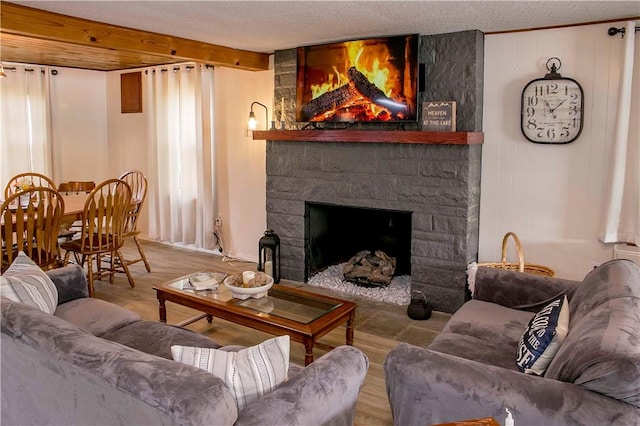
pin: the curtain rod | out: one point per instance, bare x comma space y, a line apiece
613, 31
176, 69
29, 70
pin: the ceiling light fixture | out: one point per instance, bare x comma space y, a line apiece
252, 123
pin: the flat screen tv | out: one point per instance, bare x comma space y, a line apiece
358, 81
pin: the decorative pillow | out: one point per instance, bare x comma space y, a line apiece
543, 336
249, 373
26, 283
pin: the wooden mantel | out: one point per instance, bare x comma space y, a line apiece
372, 136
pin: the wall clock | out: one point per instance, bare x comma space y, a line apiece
551, 109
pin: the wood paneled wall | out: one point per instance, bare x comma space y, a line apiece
551, 196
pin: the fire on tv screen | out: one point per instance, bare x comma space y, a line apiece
356, 81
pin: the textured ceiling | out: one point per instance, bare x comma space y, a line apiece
265, 26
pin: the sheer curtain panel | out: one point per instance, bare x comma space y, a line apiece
25, 121
181, 197
621, 223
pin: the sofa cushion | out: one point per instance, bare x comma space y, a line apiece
602, 350
483, 332
543, 336
26, 283
156, 338
489, 321
249, 373
475, 349
611, 280
70, 281
96, 316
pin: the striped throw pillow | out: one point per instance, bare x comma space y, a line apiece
26, 283
249, 373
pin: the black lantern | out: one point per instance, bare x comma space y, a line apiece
269, 254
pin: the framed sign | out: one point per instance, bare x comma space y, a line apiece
439, 116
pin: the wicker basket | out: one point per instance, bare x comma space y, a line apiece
521, 266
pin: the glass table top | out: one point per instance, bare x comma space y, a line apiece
279, 302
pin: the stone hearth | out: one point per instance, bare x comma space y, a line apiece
438, 183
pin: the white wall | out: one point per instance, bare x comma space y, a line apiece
79, 122
127, 132
240, 161
128, 139
550, 195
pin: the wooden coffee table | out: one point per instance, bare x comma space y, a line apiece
303, 315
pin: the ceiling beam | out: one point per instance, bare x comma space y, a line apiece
43, 25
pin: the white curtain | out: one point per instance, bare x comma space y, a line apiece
25, 122
182, 202
622, 212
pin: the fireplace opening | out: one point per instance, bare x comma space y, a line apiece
334, 234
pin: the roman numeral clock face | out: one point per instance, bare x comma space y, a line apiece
551, 110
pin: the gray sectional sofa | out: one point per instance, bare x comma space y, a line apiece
95, 363
469, 370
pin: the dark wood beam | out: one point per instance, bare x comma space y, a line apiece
42, 25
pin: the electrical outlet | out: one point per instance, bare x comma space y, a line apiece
219, 220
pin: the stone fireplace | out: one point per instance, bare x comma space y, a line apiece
435, 182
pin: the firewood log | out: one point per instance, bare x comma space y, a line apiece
328, 101
371, 92
370, 270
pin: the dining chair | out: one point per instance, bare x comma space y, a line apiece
76, 187
103, 226
70, 227
32, 228
25, 180
138, 183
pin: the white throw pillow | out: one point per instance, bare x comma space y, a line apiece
26, 283
543, 336
249, 373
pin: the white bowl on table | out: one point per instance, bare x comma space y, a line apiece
244, 293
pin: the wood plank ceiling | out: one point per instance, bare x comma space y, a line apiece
35, 36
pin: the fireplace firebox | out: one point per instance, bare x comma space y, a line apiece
334, 233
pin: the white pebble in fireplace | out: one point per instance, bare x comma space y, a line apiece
398, 292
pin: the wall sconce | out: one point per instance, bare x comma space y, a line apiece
252, 123
2, 74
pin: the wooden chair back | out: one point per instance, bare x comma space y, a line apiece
105, 217
29, 179
138, 183
32, 228
76, 187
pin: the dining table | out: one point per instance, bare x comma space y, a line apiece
73, 206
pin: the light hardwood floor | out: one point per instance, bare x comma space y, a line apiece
379, 326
